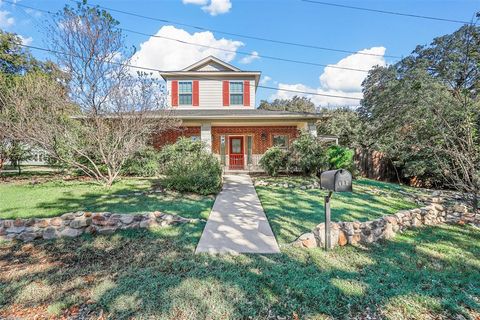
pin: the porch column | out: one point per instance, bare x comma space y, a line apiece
312, 128
206, 135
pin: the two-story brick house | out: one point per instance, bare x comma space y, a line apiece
216, 103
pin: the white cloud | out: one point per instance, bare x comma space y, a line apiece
318, 100
218, 7
5, 19
265, 80
198, 2
348, 80
215, 7
26, 40
339, 82
250, 58
35, 13
167, 54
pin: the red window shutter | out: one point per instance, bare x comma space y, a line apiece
174, 93
246, 93
226, 93
195, 99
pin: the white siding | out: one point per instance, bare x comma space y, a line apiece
211, 91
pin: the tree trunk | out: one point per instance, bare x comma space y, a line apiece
475, 203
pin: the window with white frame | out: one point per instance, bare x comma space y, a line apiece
280, 141
185, 92
236, 93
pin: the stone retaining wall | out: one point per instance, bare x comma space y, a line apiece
76, 223
343, 233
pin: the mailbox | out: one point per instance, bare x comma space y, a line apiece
336, 180
333, 181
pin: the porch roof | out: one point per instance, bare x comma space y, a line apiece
244, 114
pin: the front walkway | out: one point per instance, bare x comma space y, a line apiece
237, 223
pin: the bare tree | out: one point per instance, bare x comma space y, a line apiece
102, 114
459, 154
458, 122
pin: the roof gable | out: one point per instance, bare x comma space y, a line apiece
210, 64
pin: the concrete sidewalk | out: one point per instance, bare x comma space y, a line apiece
237, 223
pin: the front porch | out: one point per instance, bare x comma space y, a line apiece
239, 137
234, 164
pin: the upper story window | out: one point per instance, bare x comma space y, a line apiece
236, 93
185, 92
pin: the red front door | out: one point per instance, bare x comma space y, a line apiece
236, 157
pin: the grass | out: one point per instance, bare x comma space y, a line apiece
428, 273
55, 197
293, 211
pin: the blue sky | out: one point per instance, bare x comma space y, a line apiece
287, 20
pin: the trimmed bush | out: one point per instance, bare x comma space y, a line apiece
144, 163
274, 160
340, 158
308, 154
188, 167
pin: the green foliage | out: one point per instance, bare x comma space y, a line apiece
14, 59
423, 111
189, 167
340, 158
308, 154
346, 124
295, 104
143, 163
17, 153
274, 160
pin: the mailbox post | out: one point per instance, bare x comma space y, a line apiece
328, 240
333, 181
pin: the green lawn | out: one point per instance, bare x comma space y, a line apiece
425, 273
293, 211
428, 273
53, 198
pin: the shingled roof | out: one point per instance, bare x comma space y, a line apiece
229, 113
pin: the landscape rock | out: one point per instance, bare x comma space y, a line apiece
19, 222
42, 223
28, 236
15, 229
7, 223
342, 238
308, 240
56, 222
68, 216
80, 222
73, 224
70, 232
126, 218
343, 233
50, 233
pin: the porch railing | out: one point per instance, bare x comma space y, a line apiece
233, 162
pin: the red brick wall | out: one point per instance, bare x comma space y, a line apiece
171, 136
260, 144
